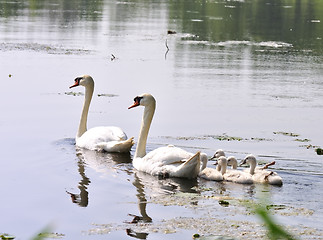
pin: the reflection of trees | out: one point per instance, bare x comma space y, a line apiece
288, 21
65, 11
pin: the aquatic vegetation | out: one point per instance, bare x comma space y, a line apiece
224, 203
6, 236
71, 93
45, 235
222, 137
319, 151
287, 134
276, 207
196, 235
107, 95
211, 224
37, 47
74, 93
226, 137
302, 140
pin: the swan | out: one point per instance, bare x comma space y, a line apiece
109, 139
169, 160
235, 175
260, 175
218, 153
212, 173
232, 161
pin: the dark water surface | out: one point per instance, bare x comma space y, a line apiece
245, 76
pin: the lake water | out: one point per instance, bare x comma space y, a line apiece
244, 76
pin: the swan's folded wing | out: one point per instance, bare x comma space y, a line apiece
116, 146
167, 156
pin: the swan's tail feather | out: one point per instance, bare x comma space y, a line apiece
274, 180
193, 159
191, 167
116, 146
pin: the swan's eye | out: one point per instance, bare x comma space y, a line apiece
77, 80
136, 102
137, 99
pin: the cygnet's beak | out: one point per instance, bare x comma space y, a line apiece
216, 162
242, 162
214, 157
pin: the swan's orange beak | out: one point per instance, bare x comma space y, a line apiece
75, 84
135, 104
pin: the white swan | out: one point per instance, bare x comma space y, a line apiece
109, 139
235, 175
169, 161
218, 153
260, 175
212, 173
232, 161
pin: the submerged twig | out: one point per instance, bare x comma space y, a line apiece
167, 48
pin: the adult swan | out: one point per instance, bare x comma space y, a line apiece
109, 139
166, 161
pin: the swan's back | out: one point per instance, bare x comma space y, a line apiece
174, 161
237, 176
211, 174
265, 176
105, 138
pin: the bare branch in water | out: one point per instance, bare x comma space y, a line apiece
167, 48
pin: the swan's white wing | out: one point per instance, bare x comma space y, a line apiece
167, 156
97, 136
265, 176
211, 174
237, 176
172, 160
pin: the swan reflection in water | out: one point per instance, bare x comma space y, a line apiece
81, 199
152, 186
147, 186
100, 162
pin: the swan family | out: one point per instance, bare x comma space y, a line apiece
168, 161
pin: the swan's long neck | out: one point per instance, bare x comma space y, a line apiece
252, 167
221, 167
234, 165
145, 125
87, 100
218, 167
204, 161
